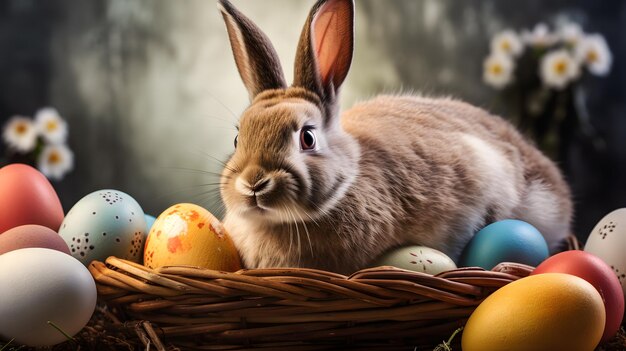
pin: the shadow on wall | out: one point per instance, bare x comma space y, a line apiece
151, 92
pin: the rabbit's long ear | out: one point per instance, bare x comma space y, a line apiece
255, 56
325, 48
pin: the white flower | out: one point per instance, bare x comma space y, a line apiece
508, 43
55, 161
539, 37
558, 68
571, 34
498, 70
594, 52
20, 134
51, 126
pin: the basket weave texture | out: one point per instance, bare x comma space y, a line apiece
298, 309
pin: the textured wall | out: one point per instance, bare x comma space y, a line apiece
151, 92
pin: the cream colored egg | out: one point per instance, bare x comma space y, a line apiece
417, 258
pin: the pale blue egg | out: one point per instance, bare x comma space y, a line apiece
105, 223
149, 222
508, 240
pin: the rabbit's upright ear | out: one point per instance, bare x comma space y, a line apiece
255, 56
325, 48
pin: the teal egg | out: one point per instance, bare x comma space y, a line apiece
149, 222
105, 223
508, 240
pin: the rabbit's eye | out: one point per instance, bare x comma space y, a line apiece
307, 138
235, 142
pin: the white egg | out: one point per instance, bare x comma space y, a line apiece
417, 258
608, 241
38, 285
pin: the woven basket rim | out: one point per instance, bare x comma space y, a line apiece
297, 308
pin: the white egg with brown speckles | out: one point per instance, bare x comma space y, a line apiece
608, 241
417, 258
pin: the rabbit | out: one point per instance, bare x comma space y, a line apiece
309, 187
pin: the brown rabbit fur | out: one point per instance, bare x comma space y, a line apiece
306, 188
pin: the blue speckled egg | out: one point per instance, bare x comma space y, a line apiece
509, 240
105, 223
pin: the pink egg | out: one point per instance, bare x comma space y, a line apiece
27, 197
31, 235
592, 269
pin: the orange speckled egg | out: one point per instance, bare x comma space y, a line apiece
187, 234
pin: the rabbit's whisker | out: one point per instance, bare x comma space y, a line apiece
306, 230
213, 200
179, 190
320, 209
288, 222
297, 235
205, 195
220, 118
195, 171
222, 163
312, 219
224, 106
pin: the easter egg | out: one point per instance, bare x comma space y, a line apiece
418, 259
27, 197
31, 235
508, 240
105, 223
149, 222
608, 241
187, 234
38, 285
552, 311
597, 273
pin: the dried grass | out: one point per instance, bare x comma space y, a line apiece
105, 332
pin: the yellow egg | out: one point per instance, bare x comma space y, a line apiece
551, 311
187, 234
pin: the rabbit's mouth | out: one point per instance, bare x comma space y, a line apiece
255, 208
264, 196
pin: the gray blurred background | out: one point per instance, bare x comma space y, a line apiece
151, 93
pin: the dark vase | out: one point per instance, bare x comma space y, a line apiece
559, 118
553, 118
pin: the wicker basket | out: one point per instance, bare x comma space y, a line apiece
296, 309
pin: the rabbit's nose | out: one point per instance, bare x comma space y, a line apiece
254, 182
260, 185
259, 188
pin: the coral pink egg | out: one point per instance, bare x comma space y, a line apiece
592, 269
27, 197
